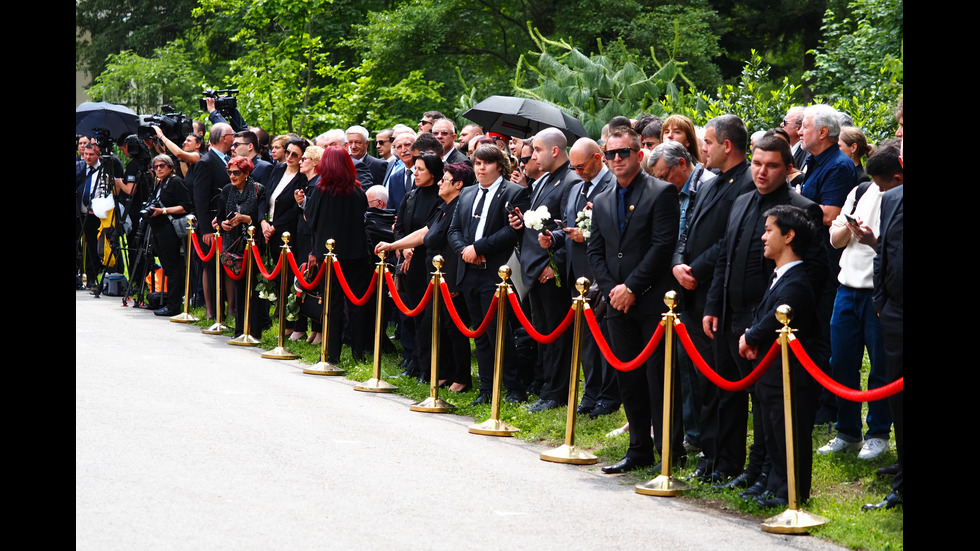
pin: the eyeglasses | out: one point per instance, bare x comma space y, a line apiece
524, 160
236, 144
382, 142
234, 172
441, 133
291, 154
424, 122
650, 145
623, 153
158, 166
789, 123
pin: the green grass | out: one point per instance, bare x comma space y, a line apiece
841, 483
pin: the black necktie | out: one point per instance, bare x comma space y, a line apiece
479, 204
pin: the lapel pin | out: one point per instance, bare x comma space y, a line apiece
632, 207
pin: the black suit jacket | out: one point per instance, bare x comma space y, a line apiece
889, 276
457, 156
499, 238
571, 253
816, 258
640, 257
553, 193
701, 240
376, 167
287, 211
210, 177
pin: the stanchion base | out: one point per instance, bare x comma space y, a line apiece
323, 368
375, 385
216, 329
569, 454
244, 340
433, 405
184, 317
493, 427
792, 521
280, 353
663, 486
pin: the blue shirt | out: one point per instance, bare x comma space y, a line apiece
830, 177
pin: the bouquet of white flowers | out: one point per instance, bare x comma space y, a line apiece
583, 221
535, 219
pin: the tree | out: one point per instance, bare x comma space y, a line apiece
145, 83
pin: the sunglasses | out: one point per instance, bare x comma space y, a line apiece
159, 166
441, 133
623, 153
291, 154
234, 172
382, 142
524, 160
650, 145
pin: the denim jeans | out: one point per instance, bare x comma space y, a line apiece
853, 327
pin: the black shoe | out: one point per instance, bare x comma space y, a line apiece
888, 470
680, 461
743, 480
165, 312
603, 408
534, 388
768, 500
893, 500
483, 398
756, 489
543, 405
585, 409
716, 477
627, 464
516, 397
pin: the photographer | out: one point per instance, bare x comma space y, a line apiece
188, 154
168, 204
224, 108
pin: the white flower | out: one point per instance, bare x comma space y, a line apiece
534, 219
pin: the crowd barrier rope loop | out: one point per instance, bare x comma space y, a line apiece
298, 271
838, 389
608, 353
200, 253
459, 323
258, 262
515, 305
347, 290
410, 312
718, 380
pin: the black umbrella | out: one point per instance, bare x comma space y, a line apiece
522, 117
120, 121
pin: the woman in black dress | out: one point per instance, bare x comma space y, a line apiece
171, 202
243, 203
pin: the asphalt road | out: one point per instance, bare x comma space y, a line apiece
185, 442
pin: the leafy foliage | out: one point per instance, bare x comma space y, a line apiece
144, 83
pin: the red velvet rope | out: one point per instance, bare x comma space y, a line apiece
543, 339
718, 380
398, 300
608, 353
347, 291
258, 262
844, 392
245, 260
448, 300
200, 253
298, 272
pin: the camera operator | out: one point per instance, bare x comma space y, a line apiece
224, 109
188, 154
168, 204
87, 188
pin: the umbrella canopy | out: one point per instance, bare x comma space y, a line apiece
523, 117
120, 121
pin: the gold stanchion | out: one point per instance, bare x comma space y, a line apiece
323, 367
376, 383
246, 339
217, 327
567, 452
280, 352
434, 404
494, 426
186, 316
793, 520
666, 485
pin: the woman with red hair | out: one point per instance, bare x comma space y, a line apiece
242, 204
337, 209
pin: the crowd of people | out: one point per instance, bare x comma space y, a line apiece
807, 214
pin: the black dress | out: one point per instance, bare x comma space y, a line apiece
170, 193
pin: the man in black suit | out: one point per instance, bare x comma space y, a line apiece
246, 145
634, 232
600, 394
210, 177
357, 141
739, 282
445, 131
788, 235
722, 439
549, 302
889, 301
397, 178
481, 235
